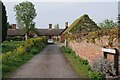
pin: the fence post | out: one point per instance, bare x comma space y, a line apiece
105, 54
116, 61
116, 57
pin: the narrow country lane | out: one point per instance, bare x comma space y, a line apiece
50, 63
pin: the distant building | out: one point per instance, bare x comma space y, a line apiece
50, 32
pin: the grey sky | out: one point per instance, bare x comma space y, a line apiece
61, 12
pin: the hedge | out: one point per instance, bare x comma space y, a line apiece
13, 59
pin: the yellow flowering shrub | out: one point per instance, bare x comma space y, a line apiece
6, 55
29, 42
20, 50
33, 41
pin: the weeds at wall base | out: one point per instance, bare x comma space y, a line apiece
81, 66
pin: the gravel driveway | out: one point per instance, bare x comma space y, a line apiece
49, 63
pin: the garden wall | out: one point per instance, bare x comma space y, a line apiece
91, 51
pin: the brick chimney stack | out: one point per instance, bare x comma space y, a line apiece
50, 26
66, 25
13, 26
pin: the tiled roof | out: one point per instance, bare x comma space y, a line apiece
49, 32
15, 32
39, 32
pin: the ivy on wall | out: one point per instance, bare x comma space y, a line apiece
90, 37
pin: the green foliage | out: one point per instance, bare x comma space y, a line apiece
81, 66
35, 50
11, 45
25, 14
94, 75
91, 36
82, 24
71, 52
84, 28
84, 61
15, 38
66, 49
107, 24
13, 59
4, 22
14, 63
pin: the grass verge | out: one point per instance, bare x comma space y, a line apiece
80, 65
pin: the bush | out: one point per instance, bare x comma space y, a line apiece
11, 45
104, 66
34, 51
84, 61
14, 39
13, 59
35, 41
94, 75
20, 50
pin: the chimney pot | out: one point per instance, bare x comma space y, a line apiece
50, 26
13, 26
66, 25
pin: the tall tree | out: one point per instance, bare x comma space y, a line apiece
4, 22
25, 14
107, 24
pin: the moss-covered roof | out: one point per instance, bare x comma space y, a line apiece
80, 22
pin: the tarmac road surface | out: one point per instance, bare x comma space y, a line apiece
49, 63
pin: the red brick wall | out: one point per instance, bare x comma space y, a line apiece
89, 51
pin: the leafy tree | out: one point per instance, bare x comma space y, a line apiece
107, 24
25, 14
4, 22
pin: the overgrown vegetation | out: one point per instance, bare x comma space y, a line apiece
13, 59
15, 38
104, 66
81, 66
84, 28
90, 37
100, 69
82, 24
11, 45
107, 24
